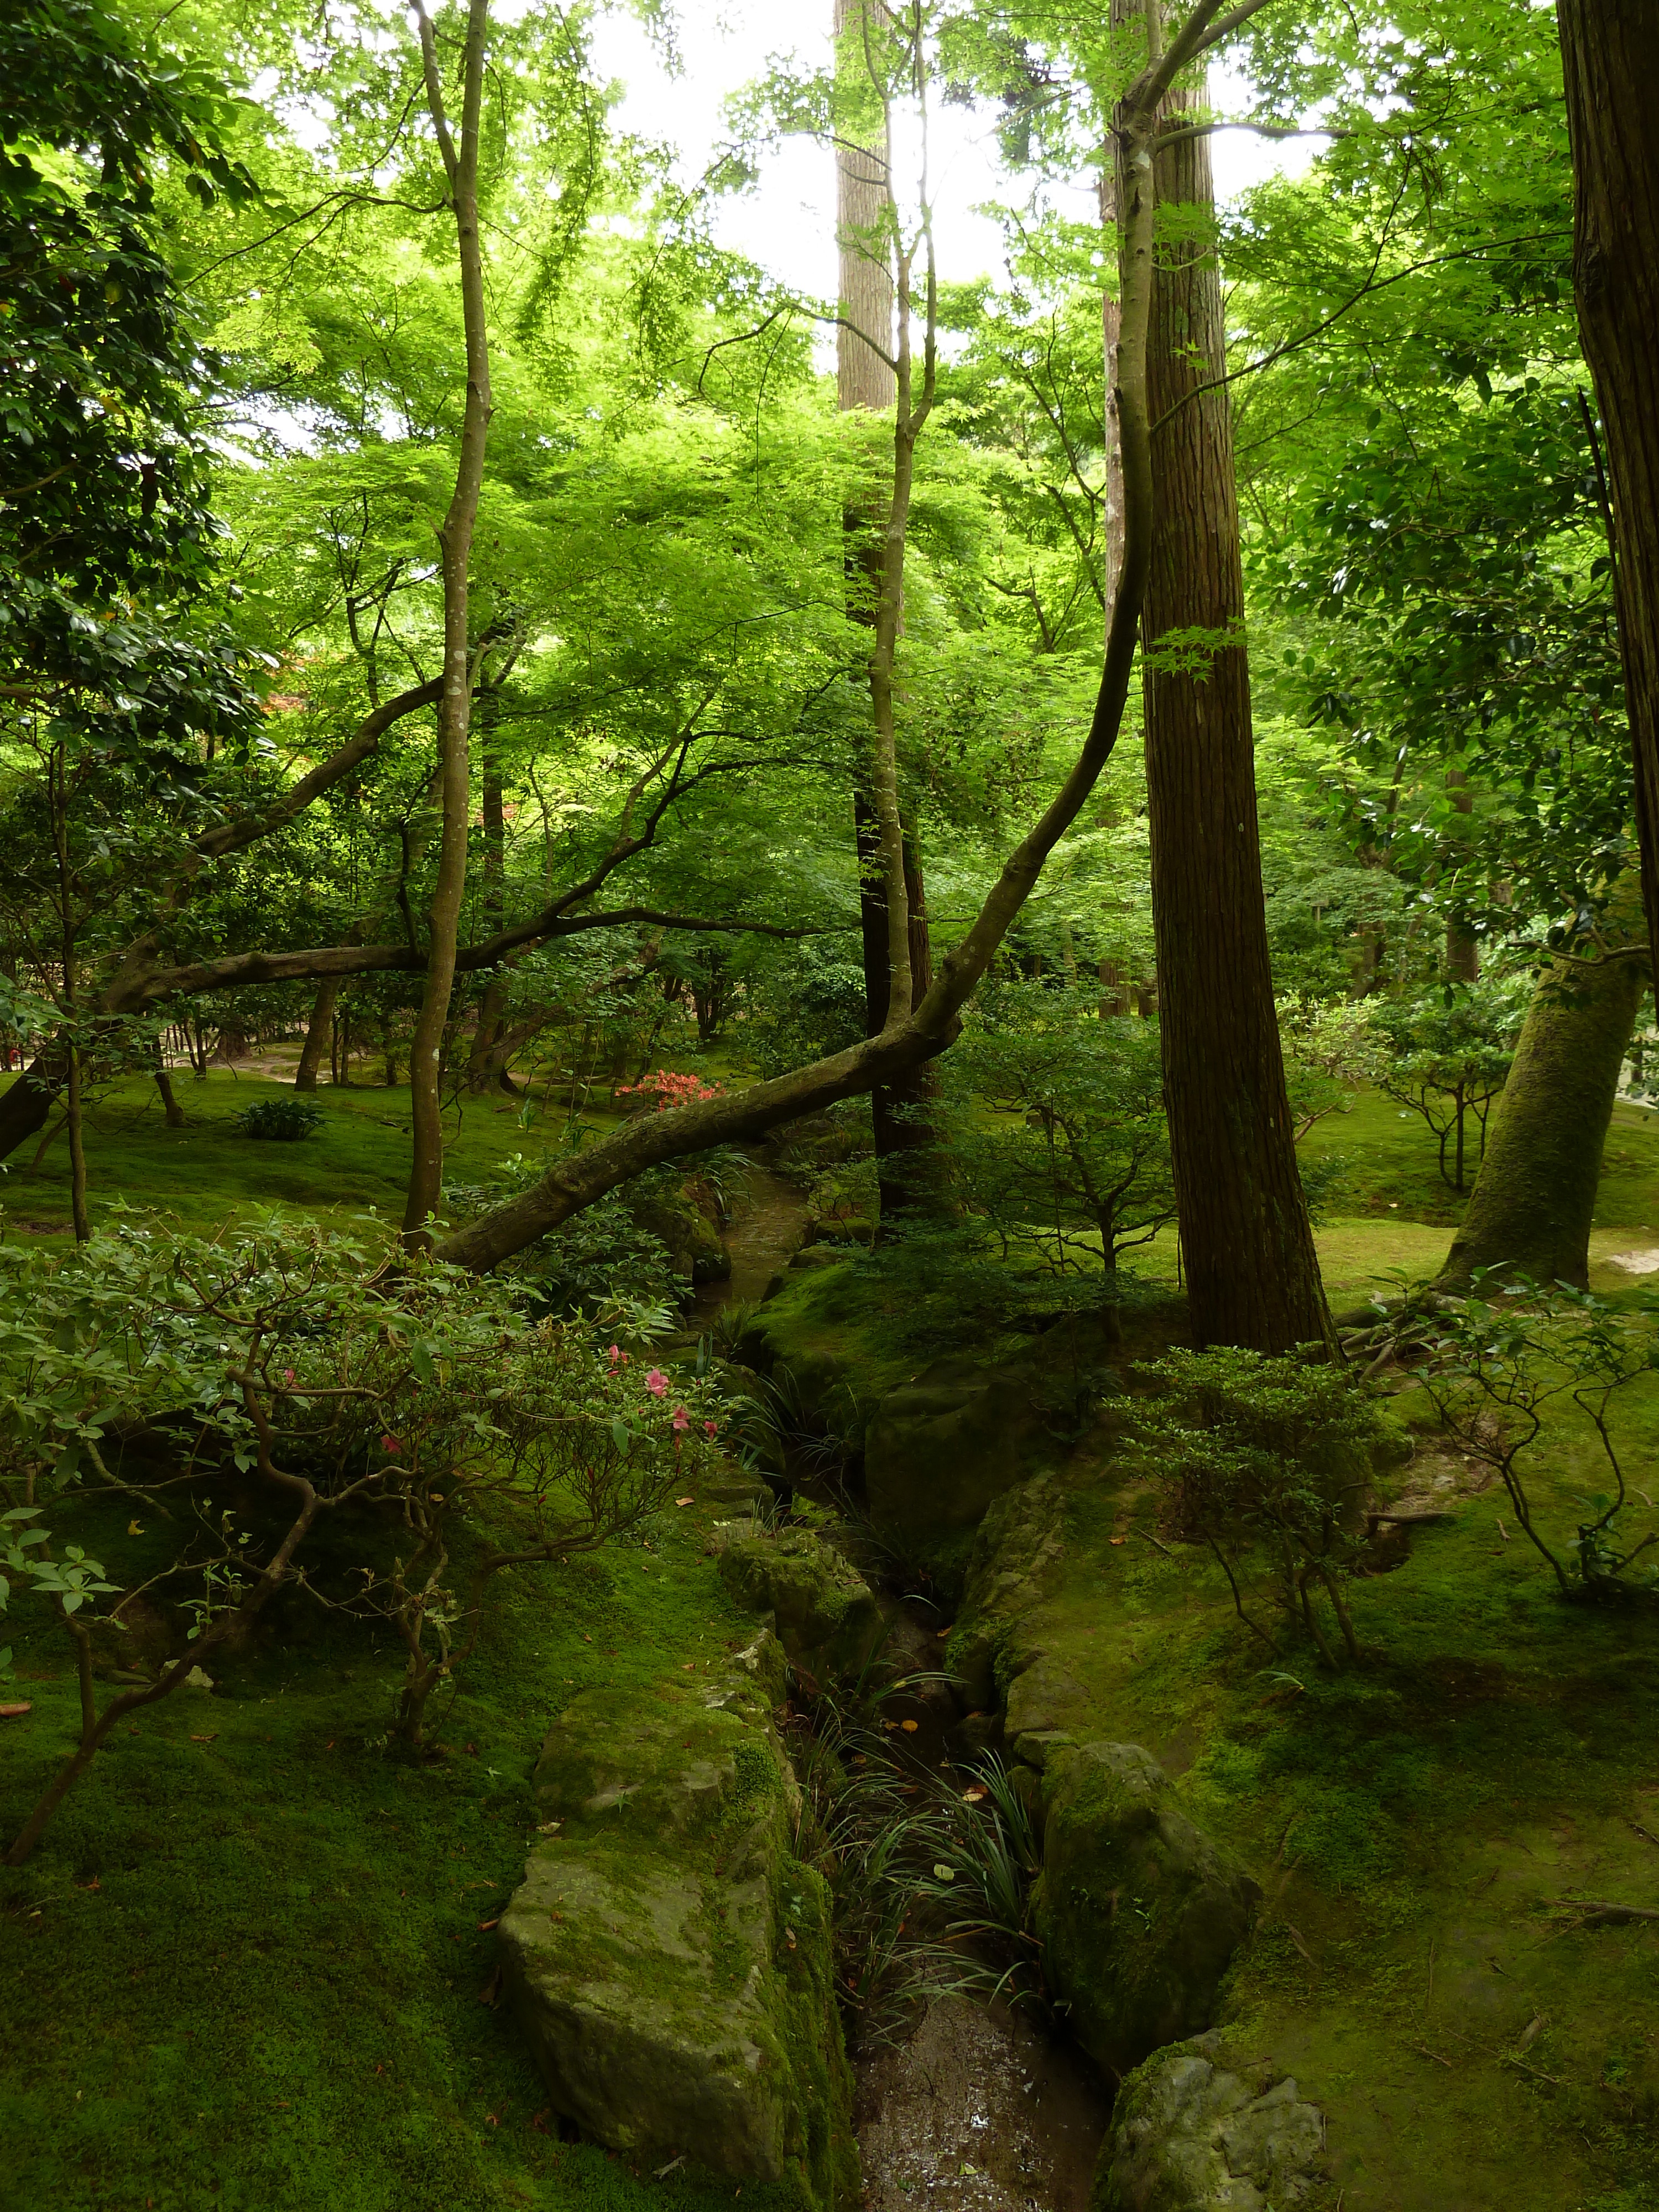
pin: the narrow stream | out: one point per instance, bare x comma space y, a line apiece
975, 2107
763, 1237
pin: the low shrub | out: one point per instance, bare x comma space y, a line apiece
286, 1120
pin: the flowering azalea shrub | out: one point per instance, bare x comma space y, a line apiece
668, 1087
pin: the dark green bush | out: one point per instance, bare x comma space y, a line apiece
286, 1119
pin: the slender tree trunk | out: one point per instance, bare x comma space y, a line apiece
1610, 51
454, 709
486, 713
317, 1033
1252, 1273
77, 1151
172, 1112
1534, 1200
1463, 950
907, 1164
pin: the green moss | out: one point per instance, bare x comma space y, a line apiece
246, 1971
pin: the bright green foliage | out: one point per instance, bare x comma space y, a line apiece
1498, 1368
1056, 1130
1451, 1052
1269, 1460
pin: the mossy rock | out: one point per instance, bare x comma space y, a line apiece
1189, 2135
1139, 1911
942, 1449
822, 1611
667, 1957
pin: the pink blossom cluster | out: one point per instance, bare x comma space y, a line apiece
669, 1088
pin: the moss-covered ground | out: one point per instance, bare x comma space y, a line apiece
249, 1967
209, 1173
250, 1964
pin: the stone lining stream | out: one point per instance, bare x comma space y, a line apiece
975, 2107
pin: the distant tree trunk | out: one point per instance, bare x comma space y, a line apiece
1463, 950
492, 1006
172, 1112
1115, 995
455, 708
1252, 1271
317, 1034
907, 1165
1610, 51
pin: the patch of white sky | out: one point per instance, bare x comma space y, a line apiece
785, 222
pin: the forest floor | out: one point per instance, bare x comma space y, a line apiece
250, 1968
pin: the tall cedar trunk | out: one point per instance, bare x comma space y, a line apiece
907, 1165
318, 1033
1111, 325
1534, 1201
454, 708
1610, 51
1252, 1273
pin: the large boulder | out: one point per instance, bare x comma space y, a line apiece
941, 1448
667, 1955
1139, 1911
821, 1609
1189, 2135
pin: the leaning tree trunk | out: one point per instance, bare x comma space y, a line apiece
1252, 1273
906, 1156
1534, 1201
1610, 51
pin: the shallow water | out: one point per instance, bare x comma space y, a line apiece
978, 2109
768, 1229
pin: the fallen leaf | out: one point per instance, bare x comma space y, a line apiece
944, 1631
94, 1884
910, 1726
16, 1712
214, 1738
1117, 1540
484, 1926
685, 1501
973, 1796
134, 1529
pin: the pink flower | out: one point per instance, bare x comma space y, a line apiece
616, 1354
682, 1419
389, 1444
287, 1377
711, 1428
657, 1383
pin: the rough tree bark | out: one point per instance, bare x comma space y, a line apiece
455, 539
866, 378
1251, 1269
1610, 52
